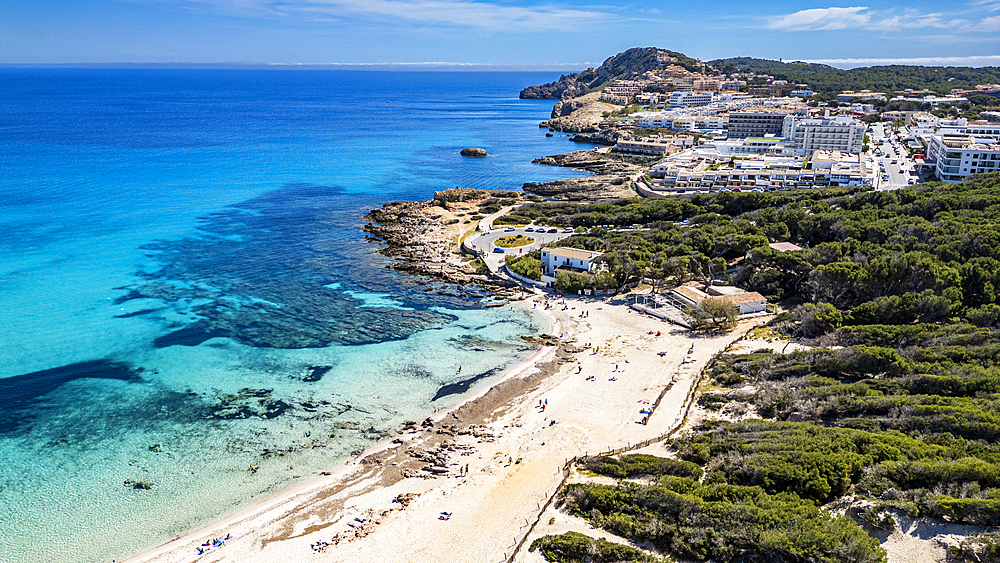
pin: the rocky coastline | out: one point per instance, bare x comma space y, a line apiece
424, 239
584, 114
612, 176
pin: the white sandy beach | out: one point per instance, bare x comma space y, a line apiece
513, 448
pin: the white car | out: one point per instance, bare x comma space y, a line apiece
568, 230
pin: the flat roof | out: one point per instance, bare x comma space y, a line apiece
571, 252
740, 298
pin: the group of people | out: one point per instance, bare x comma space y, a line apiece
214, 542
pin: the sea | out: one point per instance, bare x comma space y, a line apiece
191, 317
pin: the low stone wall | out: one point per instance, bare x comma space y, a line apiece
522, 279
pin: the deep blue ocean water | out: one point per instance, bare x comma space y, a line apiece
186, 292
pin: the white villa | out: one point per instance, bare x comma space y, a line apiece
572, 260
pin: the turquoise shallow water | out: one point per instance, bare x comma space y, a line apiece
186, 290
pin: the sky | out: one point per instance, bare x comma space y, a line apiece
551, 34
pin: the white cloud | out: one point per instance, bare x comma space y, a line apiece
990, 24
977, 61
467, 13
821, 19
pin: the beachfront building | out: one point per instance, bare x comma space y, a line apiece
570, 260
693, 294
954, 157
809, 134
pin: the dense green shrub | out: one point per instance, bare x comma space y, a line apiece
722, 522
574, 547
633, 465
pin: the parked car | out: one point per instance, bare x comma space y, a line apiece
509, 230
529, 229
553, 230
568, 230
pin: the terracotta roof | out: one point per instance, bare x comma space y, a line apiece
740, 298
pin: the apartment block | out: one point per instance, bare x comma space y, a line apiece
958, 156
690, 99
743, 124
810, 134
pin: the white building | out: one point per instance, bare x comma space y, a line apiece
924, 124
748, 303
955, 157
850, 95
654, 146
841, 133
674, 121
690, 99
567, 259
983, 131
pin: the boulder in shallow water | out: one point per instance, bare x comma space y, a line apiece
472, 151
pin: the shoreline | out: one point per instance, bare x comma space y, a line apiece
218, 527
496, 422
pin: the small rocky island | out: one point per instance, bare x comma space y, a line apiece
474, 152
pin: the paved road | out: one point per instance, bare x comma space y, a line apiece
890, 176
486, 242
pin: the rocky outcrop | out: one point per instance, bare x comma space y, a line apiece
611, 179
581, 115
416, 236
606, 136
566, 85
626, 65
473, 152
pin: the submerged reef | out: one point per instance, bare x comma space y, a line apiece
283, 271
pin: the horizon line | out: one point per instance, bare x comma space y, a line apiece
841, 63
249, 65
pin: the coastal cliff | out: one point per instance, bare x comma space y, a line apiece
580, 115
